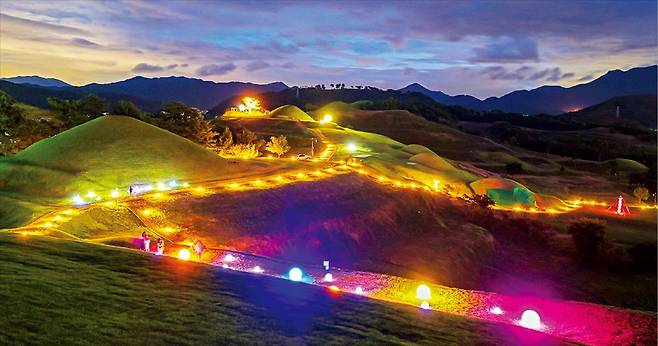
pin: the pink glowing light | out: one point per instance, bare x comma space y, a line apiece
496, 310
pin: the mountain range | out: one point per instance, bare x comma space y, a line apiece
150, 93
556, 99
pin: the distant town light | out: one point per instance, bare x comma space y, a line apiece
425, 305
229, 258
257, 269
358, 290
351, 147
328, 277
334, 288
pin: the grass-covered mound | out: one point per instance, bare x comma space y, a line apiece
337, 109
101, 155
74, 293
626, 166
290, 112
505, 192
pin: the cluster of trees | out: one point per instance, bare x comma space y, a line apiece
594, 250
242, 143
19, 128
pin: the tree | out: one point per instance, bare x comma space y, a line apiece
225, 139
185, 121
641, 193
126, 108
278, 145
482, 201
587, 235
245, 151
514, 168
69, 111
93, 106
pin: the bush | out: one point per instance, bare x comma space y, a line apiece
245, 151
513, 168
587, 235
644, 256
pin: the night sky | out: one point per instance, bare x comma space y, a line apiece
485, 48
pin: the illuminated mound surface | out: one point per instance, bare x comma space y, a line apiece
291, 112
103, 154
348, 218
337, 109
626, 166
414, 149
505, 192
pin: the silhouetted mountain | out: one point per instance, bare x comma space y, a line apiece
37, 80
557, 99
38, 96
637, 108
191, 91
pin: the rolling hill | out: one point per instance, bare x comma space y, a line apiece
557, 99
103, 154
641, 109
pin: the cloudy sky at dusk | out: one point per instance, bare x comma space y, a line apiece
481, 48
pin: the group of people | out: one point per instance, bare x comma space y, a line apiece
196, 247
146, 244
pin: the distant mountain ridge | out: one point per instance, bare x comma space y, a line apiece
38, 96
37, 80
192, 91
557, 99
641, 109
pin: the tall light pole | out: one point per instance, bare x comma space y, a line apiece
313, 140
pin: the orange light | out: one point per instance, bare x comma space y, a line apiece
334, 288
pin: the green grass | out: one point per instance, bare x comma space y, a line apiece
63, 292
101, 155
290, 112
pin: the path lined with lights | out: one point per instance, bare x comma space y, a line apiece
581, 322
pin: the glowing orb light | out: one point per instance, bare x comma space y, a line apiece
423, 292
425, 305
173, 183
229, 258
91, 194
257, 269
295, 274
496, 310
114, 193
358, 290
184, 254
327, 118
161, 186
77, 200
351, 147
530, 319
185, 184
328, 277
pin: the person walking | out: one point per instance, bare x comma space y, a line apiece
160, 250
147, 243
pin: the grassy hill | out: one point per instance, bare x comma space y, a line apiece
290, 112
635, 108
107, 153
74, 293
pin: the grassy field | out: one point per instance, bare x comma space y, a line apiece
104, 154
57, 291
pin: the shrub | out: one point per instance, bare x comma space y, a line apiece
587, 235
245, 151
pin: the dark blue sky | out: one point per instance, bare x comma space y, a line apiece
484, 48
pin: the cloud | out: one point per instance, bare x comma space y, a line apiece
257, 65
83, 42
507, 49
586, 78
146, 68
501, 73
172, 66
408, 71
32, 25
551, 75
215, 69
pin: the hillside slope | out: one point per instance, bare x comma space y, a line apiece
107, 153
642, 109
82, 293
